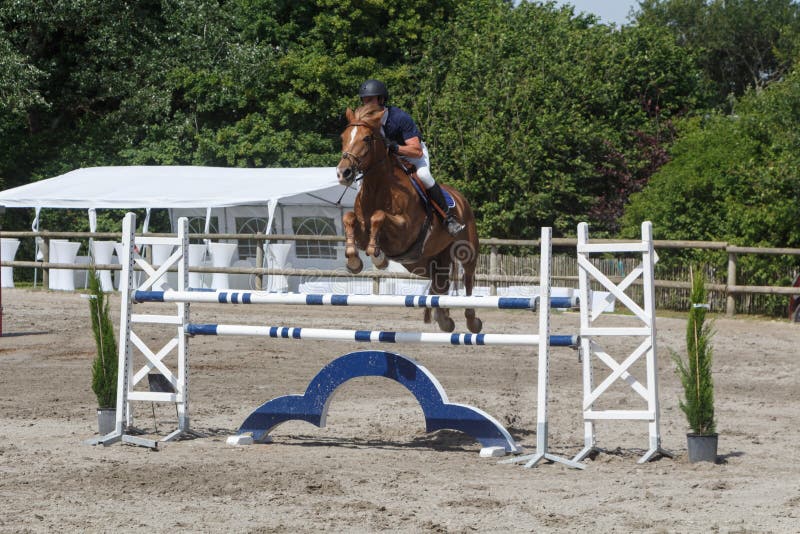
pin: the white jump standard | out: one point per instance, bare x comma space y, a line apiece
475, 422
592, 335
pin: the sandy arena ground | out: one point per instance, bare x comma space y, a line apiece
373, 467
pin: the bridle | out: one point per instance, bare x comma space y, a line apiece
357, 162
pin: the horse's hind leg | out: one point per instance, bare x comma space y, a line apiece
474, 324
466, 254
440, 284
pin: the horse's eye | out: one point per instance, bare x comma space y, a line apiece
368, 139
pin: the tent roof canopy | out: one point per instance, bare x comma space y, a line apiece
179, 187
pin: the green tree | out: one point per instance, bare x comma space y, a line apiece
105, 364
733, 178
695, 371
18, 92
242, 83
540, 116
739, 43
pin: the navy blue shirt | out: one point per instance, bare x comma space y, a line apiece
400, 126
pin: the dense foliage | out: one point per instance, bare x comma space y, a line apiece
542, 116
546, 118
739, 43
734, 178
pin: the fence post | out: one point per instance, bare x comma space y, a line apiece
493, 269
46, 259
730, 309
259, 264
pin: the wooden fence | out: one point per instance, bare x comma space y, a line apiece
498, 270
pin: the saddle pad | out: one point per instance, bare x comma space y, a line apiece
424, 197
450, 202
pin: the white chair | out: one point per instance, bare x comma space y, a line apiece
243, 281
160, 255
197, 255
277, 255
221, 256
102, 252
53, 258
402, 286
81, 276
8, 249
62, 251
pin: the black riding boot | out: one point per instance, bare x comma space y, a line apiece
454, 226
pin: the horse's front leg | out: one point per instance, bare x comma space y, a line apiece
399, 226
373, 248
354, 263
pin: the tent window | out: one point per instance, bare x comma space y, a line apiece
249, 225
314, 226
197, 225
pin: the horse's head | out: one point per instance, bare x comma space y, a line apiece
362, 143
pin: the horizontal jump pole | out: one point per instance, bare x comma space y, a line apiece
376, 336
332, 299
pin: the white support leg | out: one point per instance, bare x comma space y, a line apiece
180, 335
649, 259
124, 352
543, 368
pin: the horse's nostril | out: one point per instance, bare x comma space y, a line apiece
347, 172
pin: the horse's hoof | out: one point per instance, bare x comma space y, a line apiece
475, 325
356, 267
447, 326
380, 261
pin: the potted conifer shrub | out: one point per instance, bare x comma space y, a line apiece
696, 378
104, 366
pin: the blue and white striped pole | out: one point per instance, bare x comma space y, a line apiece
376, 336
331, 299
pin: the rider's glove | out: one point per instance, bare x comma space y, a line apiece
392, 147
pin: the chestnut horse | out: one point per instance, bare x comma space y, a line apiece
390, 221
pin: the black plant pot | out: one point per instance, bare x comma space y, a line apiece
702, 448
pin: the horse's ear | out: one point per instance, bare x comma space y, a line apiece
349, 115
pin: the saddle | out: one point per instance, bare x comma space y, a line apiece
410, 171
414, 252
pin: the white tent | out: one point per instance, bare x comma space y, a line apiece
225, 200
177, 187
173, 187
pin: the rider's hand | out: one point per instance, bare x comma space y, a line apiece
392, 147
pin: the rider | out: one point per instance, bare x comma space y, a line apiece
404, 139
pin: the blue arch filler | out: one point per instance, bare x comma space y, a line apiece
439, 413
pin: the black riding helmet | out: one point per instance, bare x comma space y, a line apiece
374, 88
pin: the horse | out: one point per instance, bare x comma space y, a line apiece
390, 220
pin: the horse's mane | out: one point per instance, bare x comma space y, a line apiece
370, 114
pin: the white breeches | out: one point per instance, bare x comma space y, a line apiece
423, 166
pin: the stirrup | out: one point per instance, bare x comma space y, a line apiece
453, 226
